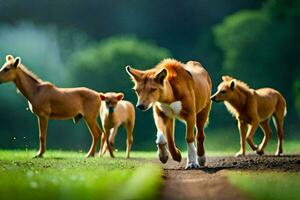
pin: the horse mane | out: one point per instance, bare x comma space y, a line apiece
239, 83
169, 62
242, 87
242, 84
30, 74
172, 65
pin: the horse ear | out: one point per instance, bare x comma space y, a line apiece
17, 61
226, 78
134, 73
9, 58
160, 77
120, 96
232, 84
102, 96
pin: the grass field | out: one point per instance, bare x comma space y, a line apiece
267, 185
290, 147
226, 142
264, 185
68, 175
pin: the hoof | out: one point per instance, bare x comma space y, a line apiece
239, 154
260, 152
162, 153
112, 156
89, 156
178, 157
278, 153
201, 160
38, 156
190, 166
163, 159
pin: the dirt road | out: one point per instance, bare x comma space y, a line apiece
210, 182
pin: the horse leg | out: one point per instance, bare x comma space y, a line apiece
249, 137
102, 146
192, 162
129, 139
95, 133
112, 136
161, 141
43, 124
243, 131
201, 120
279, 120
267, 134
111, 139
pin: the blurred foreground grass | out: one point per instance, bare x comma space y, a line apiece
267, 185
68, 175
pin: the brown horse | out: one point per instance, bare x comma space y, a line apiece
176, 90
253, 108
50, 102
114, 112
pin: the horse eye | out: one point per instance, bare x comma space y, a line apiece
223, 91
6, 69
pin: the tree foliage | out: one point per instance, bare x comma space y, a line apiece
259, 47
86, 43
102, 66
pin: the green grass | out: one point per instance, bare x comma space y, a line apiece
68, 175
226, 142
267, 185
289, 147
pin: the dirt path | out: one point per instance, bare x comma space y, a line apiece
210, 183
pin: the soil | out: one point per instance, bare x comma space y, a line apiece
210, 182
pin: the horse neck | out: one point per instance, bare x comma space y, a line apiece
167, 95
108, 114
240, 100
109, 118
26, 84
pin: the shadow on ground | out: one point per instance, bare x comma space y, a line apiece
252, 162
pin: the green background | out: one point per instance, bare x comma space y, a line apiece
89, 43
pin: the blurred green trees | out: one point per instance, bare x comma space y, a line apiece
262, 48
296, 92
102, 65
86, 43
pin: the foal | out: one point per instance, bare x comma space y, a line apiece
47, 101
114, 112
253, 108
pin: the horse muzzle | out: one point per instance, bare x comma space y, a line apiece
111, 109
214, 99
